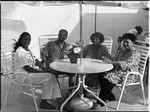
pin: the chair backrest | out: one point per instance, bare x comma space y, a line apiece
44, 39
108, 42
7, 63
143, 43
144, 51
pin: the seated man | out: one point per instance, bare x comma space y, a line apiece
56, 50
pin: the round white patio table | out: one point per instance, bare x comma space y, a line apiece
87, 66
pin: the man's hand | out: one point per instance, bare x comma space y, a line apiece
38, 63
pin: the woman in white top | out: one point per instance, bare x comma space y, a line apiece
25, 62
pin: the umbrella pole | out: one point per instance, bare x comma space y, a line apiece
81, 40
95, 16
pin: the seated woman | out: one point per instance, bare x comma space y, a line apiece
25, 62
95, 51
126, 61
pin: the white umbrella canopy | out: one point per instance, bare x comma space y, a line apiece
124, 4
31, 3
140, 5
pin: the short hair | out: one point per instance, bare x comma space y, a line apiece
99, 35
130, 36
139, 29
63, 30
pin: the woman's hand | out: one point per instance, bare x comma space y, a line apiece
106, 60
115, 62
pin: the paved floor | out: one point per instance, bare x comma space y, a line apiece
22, 103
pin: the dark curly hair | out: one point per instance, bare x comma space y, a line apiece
99, 35
18, 44
139, 29
130, 36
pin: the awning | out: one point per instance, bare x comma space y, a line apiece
125, 4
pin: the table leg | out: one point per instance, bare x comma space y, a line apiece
78, 87
85, 87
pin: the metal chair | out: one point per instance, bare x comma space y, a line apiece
144, 56
7, 46
44, 39
8, 57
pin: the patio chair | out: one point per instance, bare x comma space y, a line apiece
7, 45
108, 42
8, 57
43, 40
144, 56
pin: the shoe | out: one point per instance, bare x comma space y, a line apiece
96, 106
111, 97
59, 102
45, 105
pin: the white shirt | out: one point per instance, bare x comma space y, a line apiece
22, 58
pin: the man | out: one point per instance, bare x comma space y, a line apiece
56, 50
137, 31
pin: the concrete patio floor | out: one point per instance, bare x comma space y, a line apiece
23, 103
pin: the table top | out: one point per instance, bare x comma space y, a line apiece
87, 66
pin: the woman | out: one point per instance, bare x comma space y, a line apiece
25, 62
95, 51
126, 61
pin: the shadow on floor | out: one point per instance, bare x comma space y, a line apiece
22, 103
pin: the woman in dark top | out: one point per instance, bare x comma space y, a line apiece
95, 51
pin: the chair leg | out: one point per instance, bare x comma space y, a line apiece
9, 86
34, 99
22, 89
75, 78
122, 91
143, 92
33, 95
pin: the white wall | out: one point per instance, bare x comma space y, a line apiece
113, 22
50, 19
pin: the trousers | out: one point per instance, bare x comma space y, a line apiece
106, 87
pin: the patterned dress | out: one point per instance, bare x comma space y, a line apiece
128, 61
